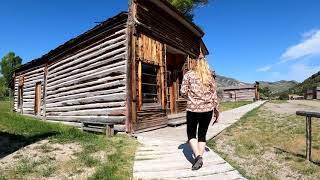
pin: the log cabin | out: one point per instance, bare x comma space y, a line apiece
313, 93
241, 93
125, 72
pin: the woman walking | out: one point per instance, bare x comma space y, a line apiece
199, 87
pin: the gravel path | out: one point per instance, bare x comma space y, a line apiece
164, 153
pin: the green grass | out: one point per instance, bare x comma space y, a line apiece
266, 145
225, 106
120, 149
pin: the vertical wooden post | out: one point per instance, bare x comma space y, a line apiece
308, 138
45, 90
140, 85
131, 71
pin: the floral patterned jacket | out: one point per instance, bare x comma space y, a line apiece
200, 98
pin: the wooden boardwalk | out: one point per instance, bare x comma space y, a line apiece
164, 153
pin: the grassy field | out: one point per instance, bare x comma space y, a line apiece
225, 106
108, 158
267, 145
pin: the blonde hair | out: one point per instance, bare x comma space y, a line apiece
202, 69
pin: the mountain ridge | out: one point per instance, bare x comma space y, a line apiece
275, 87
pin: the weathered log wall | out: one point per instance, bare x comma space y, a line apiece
91, 84
28, 81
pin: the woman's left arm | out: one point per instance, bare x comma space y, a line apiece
185, 86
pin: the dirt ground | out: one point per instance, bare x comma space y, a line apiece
294, 105
45, 160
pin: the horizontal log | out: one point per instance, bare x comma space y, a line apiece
308, 114
58, 63
107, 85
92, 57
119, 128
33, 76
36, 70
96, 99
106, 119
87, 112
99, 73
87, 106
74, 73
88, 87
86, 94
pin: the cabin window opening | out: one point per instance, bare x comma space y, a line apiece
37, 98
20, 96
149, 83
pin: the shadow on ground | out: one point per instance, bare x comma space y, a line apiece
187, 152
296, 155
9, 143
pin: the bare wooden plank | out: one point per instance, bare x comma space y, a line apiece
99, 61
113, 85
87, 106
82, 53
95, 99
116, 82
86, 94
106, 119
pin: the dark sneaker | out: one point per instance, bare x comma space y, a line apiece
197, 163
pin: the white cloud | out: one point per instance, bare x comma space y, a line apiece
264, 69
301, 72
309, 46
298, 72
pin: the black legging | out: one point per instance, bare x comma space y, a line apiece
195, 118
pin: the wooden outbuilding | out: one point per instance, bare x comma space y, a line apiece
125, 72
313, 93
241, 93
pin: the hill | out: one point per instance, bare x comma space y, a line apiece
275, 87
223, 82
278, 86
311, 82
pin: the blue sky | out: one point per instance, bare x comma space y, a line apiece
248, 39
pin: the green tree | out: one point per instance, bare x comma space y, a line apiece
186, 7
8, 64
3, 88
265, 92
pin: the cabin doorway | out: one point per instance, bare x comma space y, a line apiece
176, 68
37, 98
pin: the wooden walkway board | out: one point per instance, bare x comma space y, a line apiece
164, 153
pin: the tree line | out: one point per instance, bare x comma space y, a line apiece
9, 63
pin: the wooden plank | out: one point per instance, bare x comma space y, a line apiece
308, 138
139, 85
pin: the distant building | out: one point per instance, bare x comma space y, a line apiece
295, 97
312, 93
241, 93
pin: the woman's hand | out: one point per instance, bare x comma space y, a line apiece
216, 115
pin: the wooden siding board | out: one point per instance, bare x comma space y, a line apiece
166, 28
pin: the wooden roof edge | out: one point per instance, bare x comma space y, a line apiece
206, 51
52, 53
179, 16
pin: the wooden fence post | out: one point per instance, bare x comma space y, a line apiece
308, 138
308, 116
